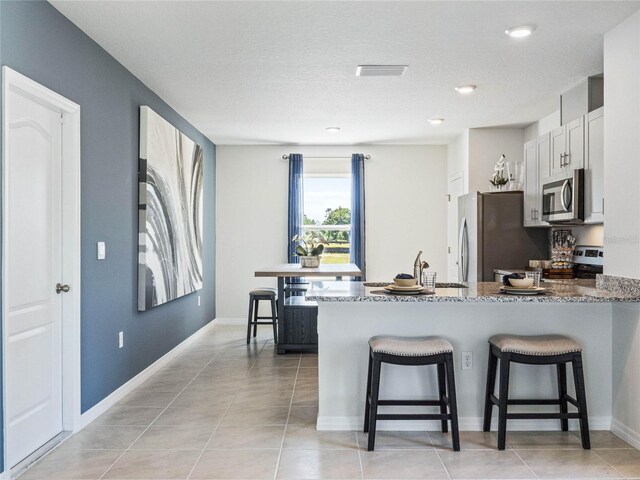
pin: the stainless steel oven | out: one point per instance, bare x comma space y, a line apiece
563, 200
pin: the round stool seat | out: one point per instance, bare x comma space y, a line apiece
535, 344
409, 346
263, 291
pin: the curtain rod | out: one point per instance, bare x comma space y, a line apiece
286, 157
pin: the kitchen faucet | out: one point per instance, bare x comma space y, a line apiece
418, 267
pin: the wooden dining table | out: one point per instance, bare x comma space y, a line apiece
297, 317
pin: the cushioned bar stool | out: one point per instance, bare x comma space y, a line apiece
411, 351
535, 350
254, 320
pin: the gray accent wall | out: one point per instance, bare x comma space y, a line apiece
39, 42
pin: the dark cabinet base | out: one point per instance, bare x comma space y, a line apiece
298, 328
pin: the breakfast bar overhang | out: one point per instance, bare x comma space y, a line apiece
350, 313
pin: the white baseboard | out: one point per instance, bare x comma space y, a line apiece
231, 321
98, 409
469, 424
625, 433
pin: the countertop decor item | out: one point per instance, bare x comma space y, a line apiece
309, 248
498, 180
562, 245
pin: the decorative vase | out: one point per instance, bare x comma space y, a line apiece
310, 261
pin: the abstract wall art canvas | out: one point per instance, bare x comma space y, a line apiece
170, 212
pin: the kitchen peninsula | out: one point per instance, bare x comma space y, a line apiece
297, 327
350, 313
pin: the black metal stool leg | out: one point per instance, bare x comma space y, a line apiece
255, 316
275, 323
453, 403
375, 390
442, 393
251, 300
581, 397
492, 367
505, 364
368, 394
562, 394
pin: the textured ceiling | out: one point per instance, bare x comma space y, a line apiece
280, 72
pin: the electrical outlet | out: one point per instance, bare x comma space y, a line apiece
467, 360
120, 339
198, 300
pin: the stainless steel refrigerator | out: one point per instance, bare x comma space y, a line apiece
491, 235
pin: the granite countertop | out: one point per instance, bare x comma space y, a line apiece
568, 291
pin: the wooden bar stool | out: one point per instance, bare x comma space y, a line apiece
535, 350
254, 320
411, 351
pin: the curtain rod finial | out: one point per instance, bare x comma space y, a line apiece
285, 157
367, 157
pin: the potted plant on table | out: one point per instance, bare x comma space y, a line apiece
309, 248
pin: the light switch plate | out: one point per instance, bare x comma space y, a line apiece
102, 251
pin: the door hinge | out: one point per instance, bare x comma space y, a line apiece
62, 118
448, 249
448, 198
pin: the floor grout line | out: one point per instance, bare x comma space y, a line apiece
286, 425
438, 455
608, 463
204, 449
355, 433
526, 464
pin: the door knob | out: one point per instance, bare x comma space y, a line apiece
61, 288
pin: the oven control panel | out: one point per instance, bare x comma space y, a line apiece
588, 255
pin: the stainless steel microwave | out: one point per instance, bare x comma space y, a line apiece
563, 200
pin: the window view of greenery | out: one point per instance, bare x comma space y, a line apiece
325, 212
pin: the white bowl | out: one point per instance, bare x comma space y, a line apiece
521, 282
404, 282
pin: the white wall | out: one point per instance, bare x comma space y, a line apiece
485, 147
458, 158
622, 174
405, 189
542, 126
622, 148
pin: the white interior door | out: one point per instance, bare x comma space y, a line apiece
455, 189
33, 256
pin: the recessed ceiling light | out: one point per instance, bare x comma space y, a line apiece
436, 120
333, 129
520, 31
466, 89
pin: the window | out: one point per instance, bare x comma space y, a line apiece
327, 205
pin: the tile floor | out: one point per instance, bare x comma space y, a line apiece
223, 410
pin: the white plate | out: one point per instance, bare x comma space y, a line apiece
523, 291
398, 287
403, 291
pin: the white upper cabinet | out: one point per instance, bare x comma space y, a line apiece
567, 148
553, 156
594, 166
536, 164
530, 182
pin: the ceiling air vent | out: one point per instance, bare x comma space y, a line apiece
381, 70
